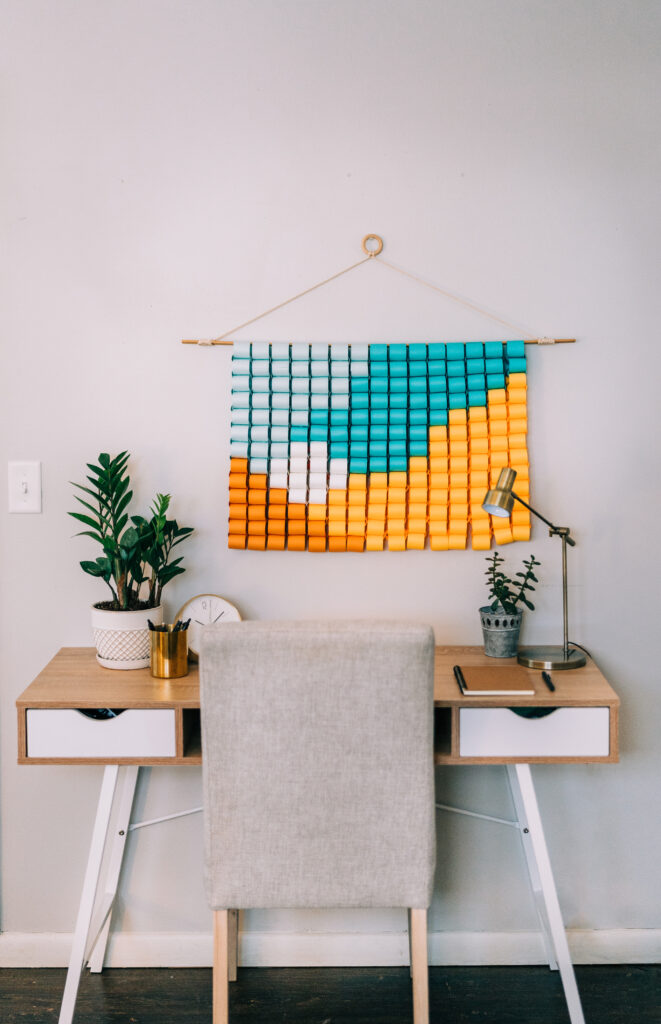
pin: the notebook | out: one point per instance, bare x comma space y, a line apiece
485, 681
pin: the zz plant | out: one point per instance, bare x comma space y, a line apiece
506, 592
136, 550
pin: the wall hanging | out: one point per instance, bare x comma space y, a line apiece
364, 447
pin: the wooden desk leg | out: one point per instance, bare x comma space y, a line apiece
88, 895
525, 801
128, 778
233, 939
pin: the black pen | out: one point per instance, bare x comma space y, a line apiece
459, 676
547, 679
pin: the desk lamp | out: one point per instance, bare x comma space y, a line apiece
499, 502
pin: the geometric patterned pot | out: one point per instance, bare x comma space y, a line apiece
122, 638
500, 631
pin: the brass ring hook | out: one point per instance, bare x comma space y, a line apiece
377, 246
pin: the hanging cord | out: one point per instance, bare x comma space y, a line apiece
220, 340
455, 298
373, 246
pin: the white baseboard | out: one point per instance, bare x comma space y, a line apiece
336, 949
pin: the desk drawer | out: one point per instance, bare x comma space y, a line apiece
66, 733
567, 732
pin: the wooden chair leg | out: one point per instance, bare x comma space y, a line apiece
233, 943
221, 966
419, 966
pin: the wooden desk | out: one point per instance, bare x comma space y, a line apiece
74, 679
160, 725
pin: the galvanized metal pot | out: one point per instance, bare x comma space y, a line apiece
500, 631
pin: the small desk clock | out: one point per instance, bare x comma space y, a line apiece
205, 610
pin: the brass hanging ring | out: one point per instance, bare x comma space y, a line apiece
376, 247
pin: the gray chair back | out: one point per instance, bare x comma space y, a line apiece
317, 743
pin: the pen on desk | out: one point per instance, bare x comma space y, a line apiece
547, 679
459, 676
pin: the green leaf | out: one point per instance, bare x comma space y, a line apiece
90, 533
99, 568
87, 490
130, 538
92, 568
168, 573
180, 539
87, 520
527, 603
86, 504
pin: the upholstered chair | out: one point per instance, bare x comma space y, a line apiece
317, 743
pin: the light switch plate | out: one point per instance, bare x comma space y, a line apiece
24, 479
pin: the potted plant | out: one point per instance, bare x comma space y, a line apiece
501, 620
135, 564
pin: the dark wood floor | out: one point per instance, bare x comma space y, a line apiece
458, 995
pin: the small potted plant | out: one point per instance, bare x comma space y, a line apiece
135, 563
501, 620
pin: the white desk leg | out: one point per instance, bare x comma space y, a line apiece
535, 880
88, 895
128, 778
523, 792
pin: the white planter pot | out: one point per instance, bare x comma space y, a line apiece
122, 638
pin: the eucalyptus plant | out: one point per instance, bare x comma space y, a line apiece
135, 550
507, 593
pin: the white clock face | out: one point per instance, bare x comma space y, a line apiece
206, 610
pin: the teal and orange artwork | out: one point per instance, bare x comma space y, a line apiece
359, 447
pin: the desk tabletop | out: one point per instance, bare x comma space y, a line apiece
578, 687
74, 678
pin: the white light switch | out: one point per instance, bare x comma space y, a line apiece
24, 486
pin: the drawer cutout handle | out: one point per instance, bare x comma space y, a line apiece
533, 712
101, 714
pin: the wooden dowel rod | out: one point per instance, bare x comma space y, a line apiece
528, 341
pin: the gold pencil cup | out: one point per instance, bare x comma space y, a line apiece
169, 654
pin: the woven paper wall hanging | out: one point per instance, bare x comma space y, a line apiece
371, 447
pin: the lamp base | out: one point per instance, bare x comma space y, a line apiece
550, 658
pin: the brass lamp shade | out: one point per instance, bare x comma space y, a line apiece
500, 500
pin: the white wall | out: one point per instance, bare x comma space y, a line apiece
173, 168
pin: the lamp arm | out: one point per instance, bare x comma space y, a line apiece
561, 531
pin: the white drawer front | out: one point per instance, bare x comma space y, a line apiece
567, 732
66, 733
